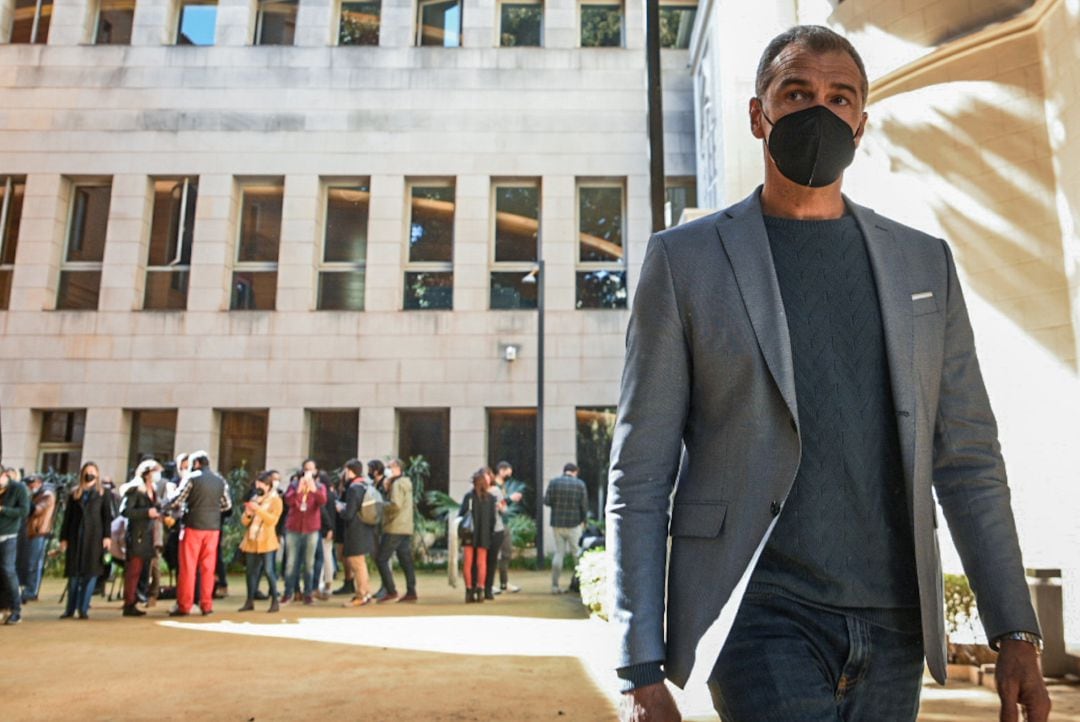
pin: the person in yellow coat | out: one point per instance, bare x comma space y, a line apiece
260, 543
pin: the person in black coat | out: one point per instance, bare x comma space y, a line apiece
478, 512
84, 539
324, 553
140, 507
359, 537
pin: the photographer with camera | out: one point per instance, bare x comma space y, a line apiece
260, 542
304, 499
39, 529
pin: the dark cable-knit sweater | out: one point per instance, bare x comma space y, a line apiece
843, 539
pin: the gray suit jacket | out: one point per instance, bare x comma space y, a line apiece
708, 401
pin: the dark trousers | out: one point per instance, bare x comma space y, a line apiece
80, 589
10, 597
256, 565
401, 545
785, 660
493, 553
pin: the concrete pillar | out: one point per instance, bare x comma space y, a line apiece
561, 24
46, 203
558, 211
108, 433
154, 23
478, 24
21, 429
638, 228
213, 244
397, 24
471, 242
634, 24
72, 22
123, 273
314, 23
7, 18
286, 439
198, 428
468, 446
297, 255
1045, 587
387, 219
235, 23
378, 432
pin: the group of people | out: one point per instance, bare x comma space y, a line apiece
308, 524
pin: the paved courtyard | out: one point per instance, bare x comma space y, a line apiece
527, 656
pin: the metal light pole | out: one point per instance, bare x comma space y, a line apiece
656, 114
537, 276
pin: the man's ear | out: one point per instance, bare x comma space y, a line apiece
861, 130
757, 126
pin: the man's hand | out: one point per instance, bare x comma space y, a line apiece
651, 703
1020, 682
106, 543
63, 545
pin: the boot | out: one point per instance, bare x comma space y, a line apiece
131, 611
479, 593
248, 606
469, 596
347, 588
274, 607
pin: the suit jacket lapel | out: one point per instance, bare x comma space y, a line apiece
894, 298
742, 232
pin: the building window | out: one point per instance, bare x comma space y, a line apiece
276, 22
601, 274
676, 24
12, 191
601, 25
679, 194
512, 437
516, 234
359, 24
521, 23
197, 22
344, 257
171, 228
429, 272
31, 23
439, 23
80, 273
60, 449
334, 437
243, 441
426, 433
254, 281
153, 436
595, 427
114, 21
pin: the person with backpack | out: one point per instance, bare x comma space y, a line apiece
397, 534
140, 508
362, 509
477, 531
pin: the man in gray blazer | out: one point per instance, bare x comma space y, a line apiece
801, 372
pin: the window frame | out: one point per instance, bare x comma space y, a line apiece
524, 267
339, 9
677, 181
9, 183
136, 428
82, 266
622, 23
35, 24
499, 18
259, 17
254, 266
418, 36
175, 266
325, 266
95, 36
688, 4
581, 266
58, 447
410, 266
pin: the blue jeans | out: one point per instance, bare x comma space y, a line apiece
257, 565
9, 579
789, 661
301, 549
80, 590
35, 563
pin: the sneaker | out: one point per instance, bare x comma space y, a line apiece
513, 589
248, 606
322, 596
84, 615
410, 597
556, 590
388, 597
308, 601
13, 619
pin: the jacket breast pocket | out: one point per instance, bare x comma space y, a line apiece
703, 519
922, 304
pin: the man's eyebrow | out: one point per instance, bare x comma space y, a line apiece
803, 82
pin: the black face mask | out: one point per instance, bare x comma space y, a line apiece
811, 147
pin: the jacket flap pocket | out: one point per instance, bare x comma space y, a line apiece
923, 303
698, 519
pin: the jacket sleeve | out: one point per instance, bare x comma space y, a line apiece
106, 514
68, 523
21, 508
132, 510
584, 503
646, 447
970, 481
353, 498
270, 516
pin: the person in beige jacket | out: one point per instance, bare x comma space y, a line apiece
397, 534
260, 544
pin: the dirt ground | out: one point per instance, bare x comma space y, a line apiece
407, 662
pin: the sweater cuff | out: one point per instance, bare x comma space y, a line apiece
640, 675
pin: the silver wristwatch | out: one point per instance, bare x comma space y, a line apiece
1028, 637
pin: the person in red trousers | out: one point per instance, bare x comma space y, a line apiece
206, 497
478, 507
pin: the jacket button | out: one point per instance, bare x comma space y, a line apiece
775, 508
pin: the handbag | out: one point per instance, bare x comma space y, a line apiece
465, 529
